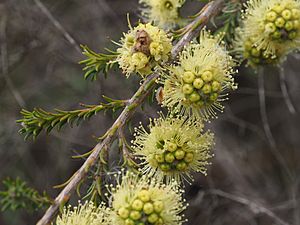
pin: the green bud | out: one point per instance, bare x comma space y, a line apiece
159, 222
181, 166
123, 212
148, 208
194, 97
289, 25
207, 76
279, 22
144, 195
165, 167
295, 14
171, 146
271, 16
179, 154
187, 89
213, 97
292, 35
246, 55
278, 8
159, 158
286, 14
200, 103
206, 89
276, 35
152, 218
188, 77
255, 52
198, 83
129, 222
137, 204
296, 24
189, 157
158, 206
135, 215
255, 60
270, 27
248, 45
216, 86
169, 157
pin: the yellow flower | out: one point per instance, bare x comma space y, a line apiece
143, 201
269, 31
196, 86
143, 48
173, 148
84, 214
164, 13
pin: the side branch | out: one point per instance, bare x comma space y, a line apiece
210, 10
207, 13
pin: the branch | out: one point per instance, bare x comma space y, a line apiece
97, 62
37, 120
4, 58
285, 92
144, 90
209, 11
264, 117
57, 25
254, 207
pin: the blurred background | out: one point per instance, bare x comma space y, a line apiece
249, 181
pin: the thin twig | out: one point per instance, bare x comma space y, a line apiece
285, 92
58, 26
263, 113
229, 116
263, 110
254, 207
209, 11
144, 90
4, 59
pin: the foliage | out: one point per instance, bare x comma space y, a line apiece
17, 195
37, 120
230, 17
97, 62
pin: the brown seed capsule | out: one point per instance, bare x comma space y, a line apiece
142, 42
159, 95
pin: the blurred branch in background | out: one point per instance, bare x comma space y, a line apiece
254, 207
58, 25
4, 58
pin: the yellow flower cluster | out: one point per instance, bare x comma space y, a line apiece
85, 214
195, 87
164, 13
143, 48
270, 30
143, 201
173, 148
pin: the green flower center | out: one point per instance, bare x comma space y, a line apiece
142, 210
173, 157
258, 56
200, 89
282, 23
